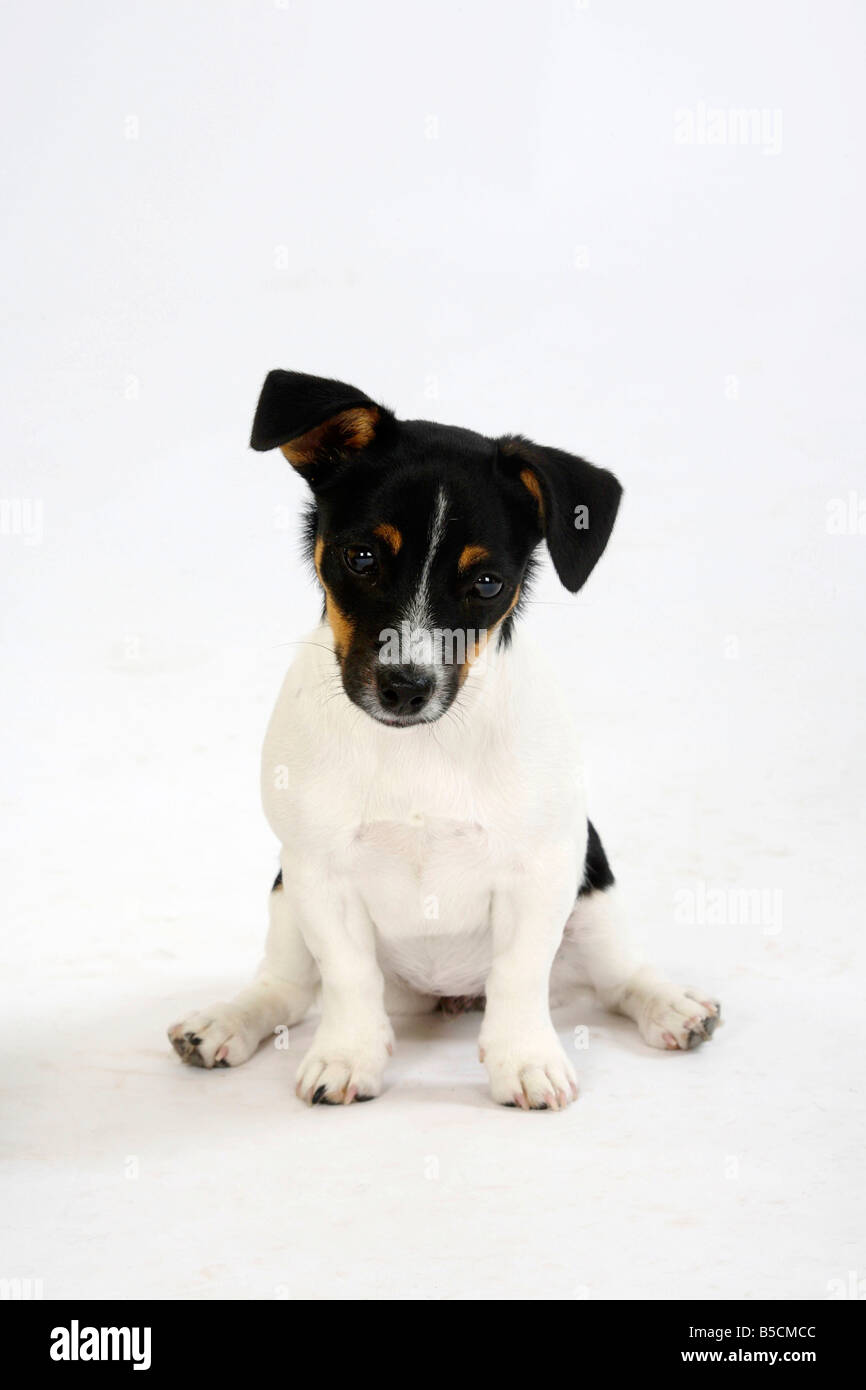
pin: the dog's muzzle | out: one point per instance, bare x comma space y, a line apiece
404, 692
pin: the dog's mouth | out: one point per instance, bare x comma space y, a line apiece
405, 722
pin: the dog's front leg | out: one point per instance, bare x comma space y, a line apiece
346, 1061
525, 1060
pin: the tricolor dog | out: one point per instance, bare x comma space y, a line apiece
420, 769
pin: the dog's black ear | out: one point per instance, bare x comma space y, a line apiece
576, 504
314, 421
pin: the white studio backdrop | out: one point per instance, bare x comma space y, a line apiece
631, 231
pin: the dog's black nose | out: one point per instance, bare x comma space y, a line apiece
403, 690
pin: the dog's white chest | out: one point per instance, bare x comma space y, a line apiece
425, 875
427, 885
424, 828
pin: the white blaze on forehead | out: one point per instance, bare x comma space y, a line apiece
417, 615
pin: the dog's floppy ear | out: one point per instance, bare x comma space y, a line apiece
576, 504
314, 421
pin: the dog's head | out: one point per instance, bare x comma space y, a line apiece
423, 535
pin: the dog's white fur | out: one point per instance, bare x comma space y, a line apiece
440, 859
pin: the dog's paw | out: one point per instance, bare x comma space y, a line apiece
214, 1037
529, 1073
678, 1019
339, 1070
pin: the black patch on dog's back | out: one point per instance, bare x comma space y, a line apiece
597, 875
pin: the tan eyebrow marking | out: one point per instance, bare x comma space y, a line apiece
390, 535
470, 555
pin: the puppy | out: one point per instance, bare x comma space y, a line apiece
420, 769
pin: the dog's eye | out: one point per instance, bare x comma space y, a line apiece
360, 560
487, 586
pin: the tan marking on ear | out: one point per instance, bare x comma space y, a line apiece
471, 555
359, 426
479, 647
341, 626
349, 430
390, 535
531, 483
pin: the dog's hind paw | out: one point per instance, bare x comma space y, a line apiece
678, 1019
214, 1037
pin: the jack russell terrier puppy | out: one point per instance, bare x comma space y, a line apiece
421, 771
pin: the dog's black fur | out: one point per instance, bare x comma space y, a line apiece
597, 874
